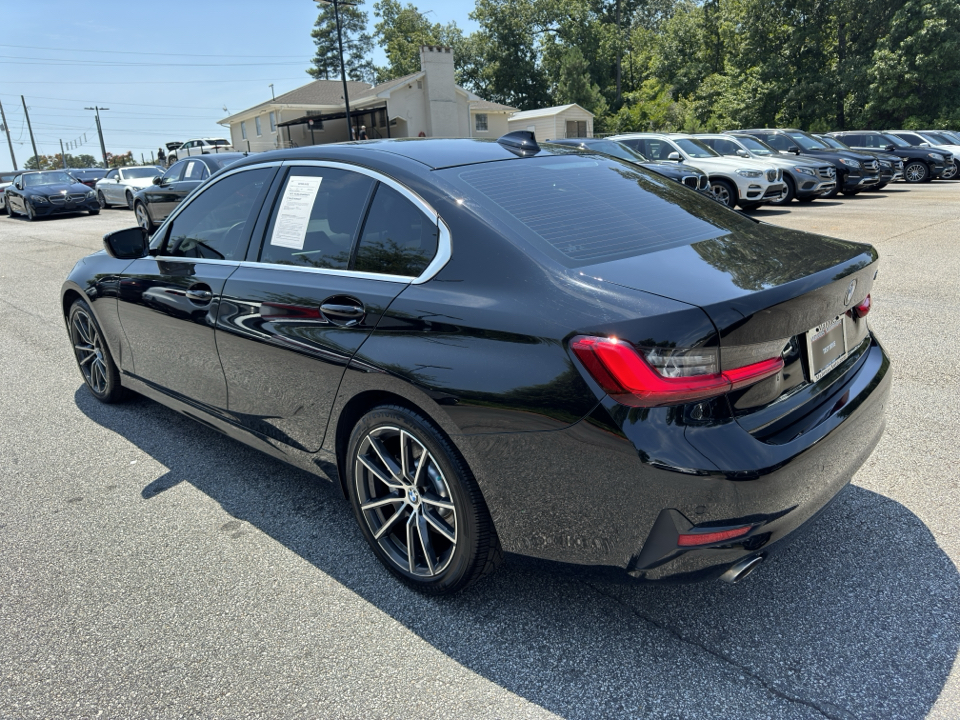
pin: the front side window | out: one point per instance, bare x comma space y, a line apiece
257, 122
273, 122
112, 175
806, 142
481, 122
398, 239
243, 129
896, 141
756, 146
780, 142
195, 172
173, 173
695, 148
212, 225
316, 218
724, 147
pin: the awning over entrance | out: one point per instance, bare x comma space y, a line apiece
365, 116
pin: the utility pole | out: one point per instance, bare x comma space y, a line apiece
63, 158
3, 119
103, 148
343, 70
30, 128
618, 53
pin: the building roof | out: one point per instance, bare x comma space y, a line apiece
319, 92
545, 112
386, 87
490, 107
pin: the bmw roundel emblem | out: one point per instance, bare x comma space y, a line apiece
850, 288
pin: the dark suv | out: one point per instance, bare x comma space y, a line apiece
891, 167
856, 171
919, 163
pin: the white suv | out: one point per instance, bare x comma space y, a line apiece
199, 146
733, 180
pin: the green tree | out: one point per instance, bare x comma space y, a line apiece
357, 45
576, 85
401, 32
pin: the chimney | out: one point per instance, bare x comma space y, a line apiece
440, 92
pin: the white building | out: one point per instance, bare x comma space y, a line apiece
427, 103
554, 123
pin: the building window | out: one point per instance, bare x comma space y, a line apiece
243, 129
481, 119
257, 121
273, 122
576, 128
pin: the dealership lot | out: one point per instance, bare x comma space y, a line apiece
154, 568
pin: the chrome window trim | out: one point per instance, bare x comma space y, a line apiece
444, 241
195, 261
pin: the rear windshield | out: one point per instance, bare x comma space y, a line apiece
218, 142
590, 209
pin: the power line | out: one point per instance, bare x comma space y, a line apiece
63, 99
157, 82
65, 62
138, 52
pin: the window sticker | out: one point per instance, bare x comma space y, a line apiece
290, 229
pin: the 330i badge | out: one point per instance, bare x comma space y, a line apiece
494, 347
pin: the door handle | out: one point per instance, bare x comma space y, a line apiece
198, 294
343, 311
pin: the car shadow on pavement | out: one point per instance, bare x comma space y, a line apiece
858, 617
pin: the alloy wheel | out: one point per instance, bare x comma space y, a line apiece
949, 172
721, 193
101, 200
129, 201
143, 220
915, 172
406, 501
88, 346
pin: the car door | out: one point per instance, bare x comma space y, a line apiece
169, 301
337, 247
162, 198
14, 195
108, 186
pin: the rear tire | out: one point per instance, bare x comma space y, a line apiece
417, 503
724, 192
93, 356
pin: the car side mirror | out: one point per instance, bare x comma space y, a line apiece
675, 156
158, 179
924, 144
794, 149
128, 244
889, 148
743, 153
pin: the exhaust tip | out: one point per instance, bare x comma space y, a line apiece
739, 570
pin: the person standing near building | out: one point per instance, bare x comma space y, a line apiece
363, 132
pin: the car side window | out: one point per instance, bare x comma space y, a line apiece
316, 218
398, 238
194, 171
779, 142
174, 173
725, 147
213, 224
112, 175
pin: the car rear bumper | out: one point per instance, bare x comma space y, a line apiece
614, 491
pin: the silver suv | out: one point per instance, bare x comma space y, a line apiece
804, 177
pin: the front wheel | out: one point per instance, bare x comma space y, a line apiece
916, 172
95, 211
417, 503
31, 215
93, 357
129, 201
788, 194
143, 217
850, 193
102, 200
949, 173
723, 192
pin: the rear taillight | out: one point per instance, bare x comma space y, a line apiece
863, 308
661, 379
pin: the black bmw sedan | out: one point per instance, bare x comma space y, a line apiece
48, 192
152, 204
491, 347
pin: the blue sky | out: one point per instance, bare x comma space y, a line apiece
165, 69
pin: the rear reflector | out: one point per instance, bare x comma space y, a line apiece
711, 538
630, 380
863, 308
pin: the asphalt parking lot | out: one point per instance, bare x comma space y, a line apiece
150, 567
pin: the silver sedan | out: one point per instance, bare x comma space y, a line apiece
119, 185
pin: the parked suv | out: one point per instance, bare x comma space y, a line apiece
919, 164
891, 167
733, 181
199, 146
688, 175
855, 171
803, 178
934, 151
